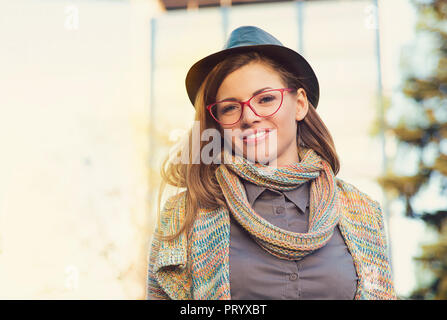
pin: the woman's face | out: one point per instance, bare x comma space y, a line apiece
274, 142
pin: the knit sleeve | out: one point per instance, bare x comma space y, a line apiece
381, 224
389, 285
153, 290
377, 271
380, 219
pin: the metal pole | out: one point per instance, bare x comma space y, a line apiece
225, 11
299, 12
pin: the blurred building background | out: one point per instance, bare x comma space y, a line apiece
93, 96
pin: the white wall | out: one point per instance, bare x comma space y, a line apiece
74, 148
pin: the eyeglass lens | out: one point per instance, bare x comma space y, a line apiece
264, 103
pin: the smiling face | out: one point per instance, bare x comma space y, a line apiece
255, 137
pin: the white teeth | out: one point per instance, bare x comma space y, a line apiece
258, 134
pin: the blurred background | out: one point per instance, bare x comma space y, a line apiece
92, 97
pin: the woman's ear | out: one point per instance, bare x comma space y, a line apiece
302, 105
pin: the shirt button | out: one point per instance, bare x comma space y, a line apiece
279, 210
293, 276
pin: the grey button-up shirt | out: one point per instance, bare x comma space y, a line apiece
327, 273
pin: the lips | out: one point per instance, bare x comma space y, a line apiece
253, 132
254, 136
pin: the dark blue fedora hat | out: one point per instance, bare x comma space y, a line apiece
251, 38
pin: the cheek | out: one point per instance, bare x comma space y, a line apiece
287, 132
286, 124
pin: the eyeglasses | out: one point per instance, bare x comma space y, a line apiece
264, 104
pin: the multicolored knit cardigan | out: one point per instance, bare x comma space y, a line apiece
196, 266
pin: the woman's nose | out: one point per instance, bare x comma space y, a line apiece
248, 115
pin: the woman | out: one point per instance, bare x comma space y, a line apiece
269, 219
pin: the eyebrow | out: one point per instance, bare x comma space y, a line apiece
254, 93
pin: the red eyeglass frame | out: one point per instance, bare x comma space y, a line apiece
247, 102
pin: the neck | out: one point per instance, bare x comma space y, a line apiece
288, 159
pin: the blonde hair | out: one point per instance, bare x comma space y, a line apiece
202, 188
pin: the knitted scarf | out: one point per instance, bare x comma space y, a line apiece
324, 209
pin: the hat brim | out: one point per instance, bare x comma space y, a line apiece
290, 59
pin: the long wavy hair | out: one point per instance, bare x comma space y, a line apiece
202, 188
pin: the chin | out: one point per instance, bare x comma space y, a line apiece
257, 155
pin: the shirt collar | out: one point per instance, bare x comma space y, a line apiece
299, 196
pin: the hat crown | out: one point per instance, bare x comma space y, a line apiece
249, 36
247, 39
